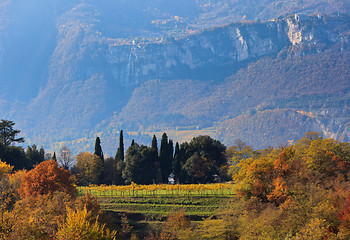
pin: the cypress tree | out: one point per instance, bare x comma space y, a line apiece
120, 151
98, 149
154, 143
165, 155
98, 152
54, 156
177, 162
155, 159
171, 155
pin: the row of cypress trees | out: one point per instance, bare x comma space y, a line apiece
195, 162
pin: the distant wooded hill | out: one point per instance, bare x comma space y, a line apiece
74, 70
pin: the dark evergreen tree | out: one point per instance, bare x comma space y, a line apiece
133, 142
15, 156
34, 155
148, 171
42, 153
132, 168
8, 134
154, 143
156, 164
54, 156
9, 153
98, 149
98, 152
205, 158
113, 172
120, 151
177, 163
139, 165
165, 157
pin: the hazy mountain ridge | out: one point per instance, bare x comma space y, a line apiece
86, 60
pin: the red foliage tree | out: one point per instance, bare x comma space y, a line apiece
46, 178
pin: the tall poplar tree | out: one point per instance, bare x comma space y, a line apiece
120, 151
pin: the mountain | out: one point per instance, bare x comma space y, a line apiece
74, 70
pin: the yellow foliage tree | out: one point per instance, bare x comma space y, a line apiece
177, 226
5, 169
77, 226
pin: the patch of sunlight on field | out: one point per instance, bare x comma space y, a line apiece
181, 135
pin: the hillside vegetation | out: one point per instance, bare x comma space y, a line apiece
300, 191
71, 71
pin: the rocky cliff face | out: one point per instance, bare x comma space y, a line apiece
230, 45
89, 71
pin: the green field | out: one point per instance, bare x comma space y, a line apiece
146, 206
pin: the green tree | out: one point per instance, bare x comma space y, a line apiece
34, 155
165, 157
139, 165
15, 156
98, 149
88, 169
120, 151
198, 169
8, 152
157, 172
177, 162
113, 170
8, 134
148, 171
132, 168
154, 143
206, 150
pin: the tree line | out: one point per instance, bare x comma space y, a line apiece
294, 192
202, 160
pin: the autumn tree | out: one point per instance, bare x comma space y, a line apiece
38, 217
177, 226
5, 169
46, 178
7, 193
77, 225
88, 168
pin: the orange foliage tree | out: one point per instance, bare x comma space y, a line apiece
46, 178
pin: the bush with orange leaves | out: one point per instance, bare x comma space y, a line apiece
46, 178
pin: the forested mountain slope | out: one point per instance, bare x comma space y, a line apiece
71, 70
